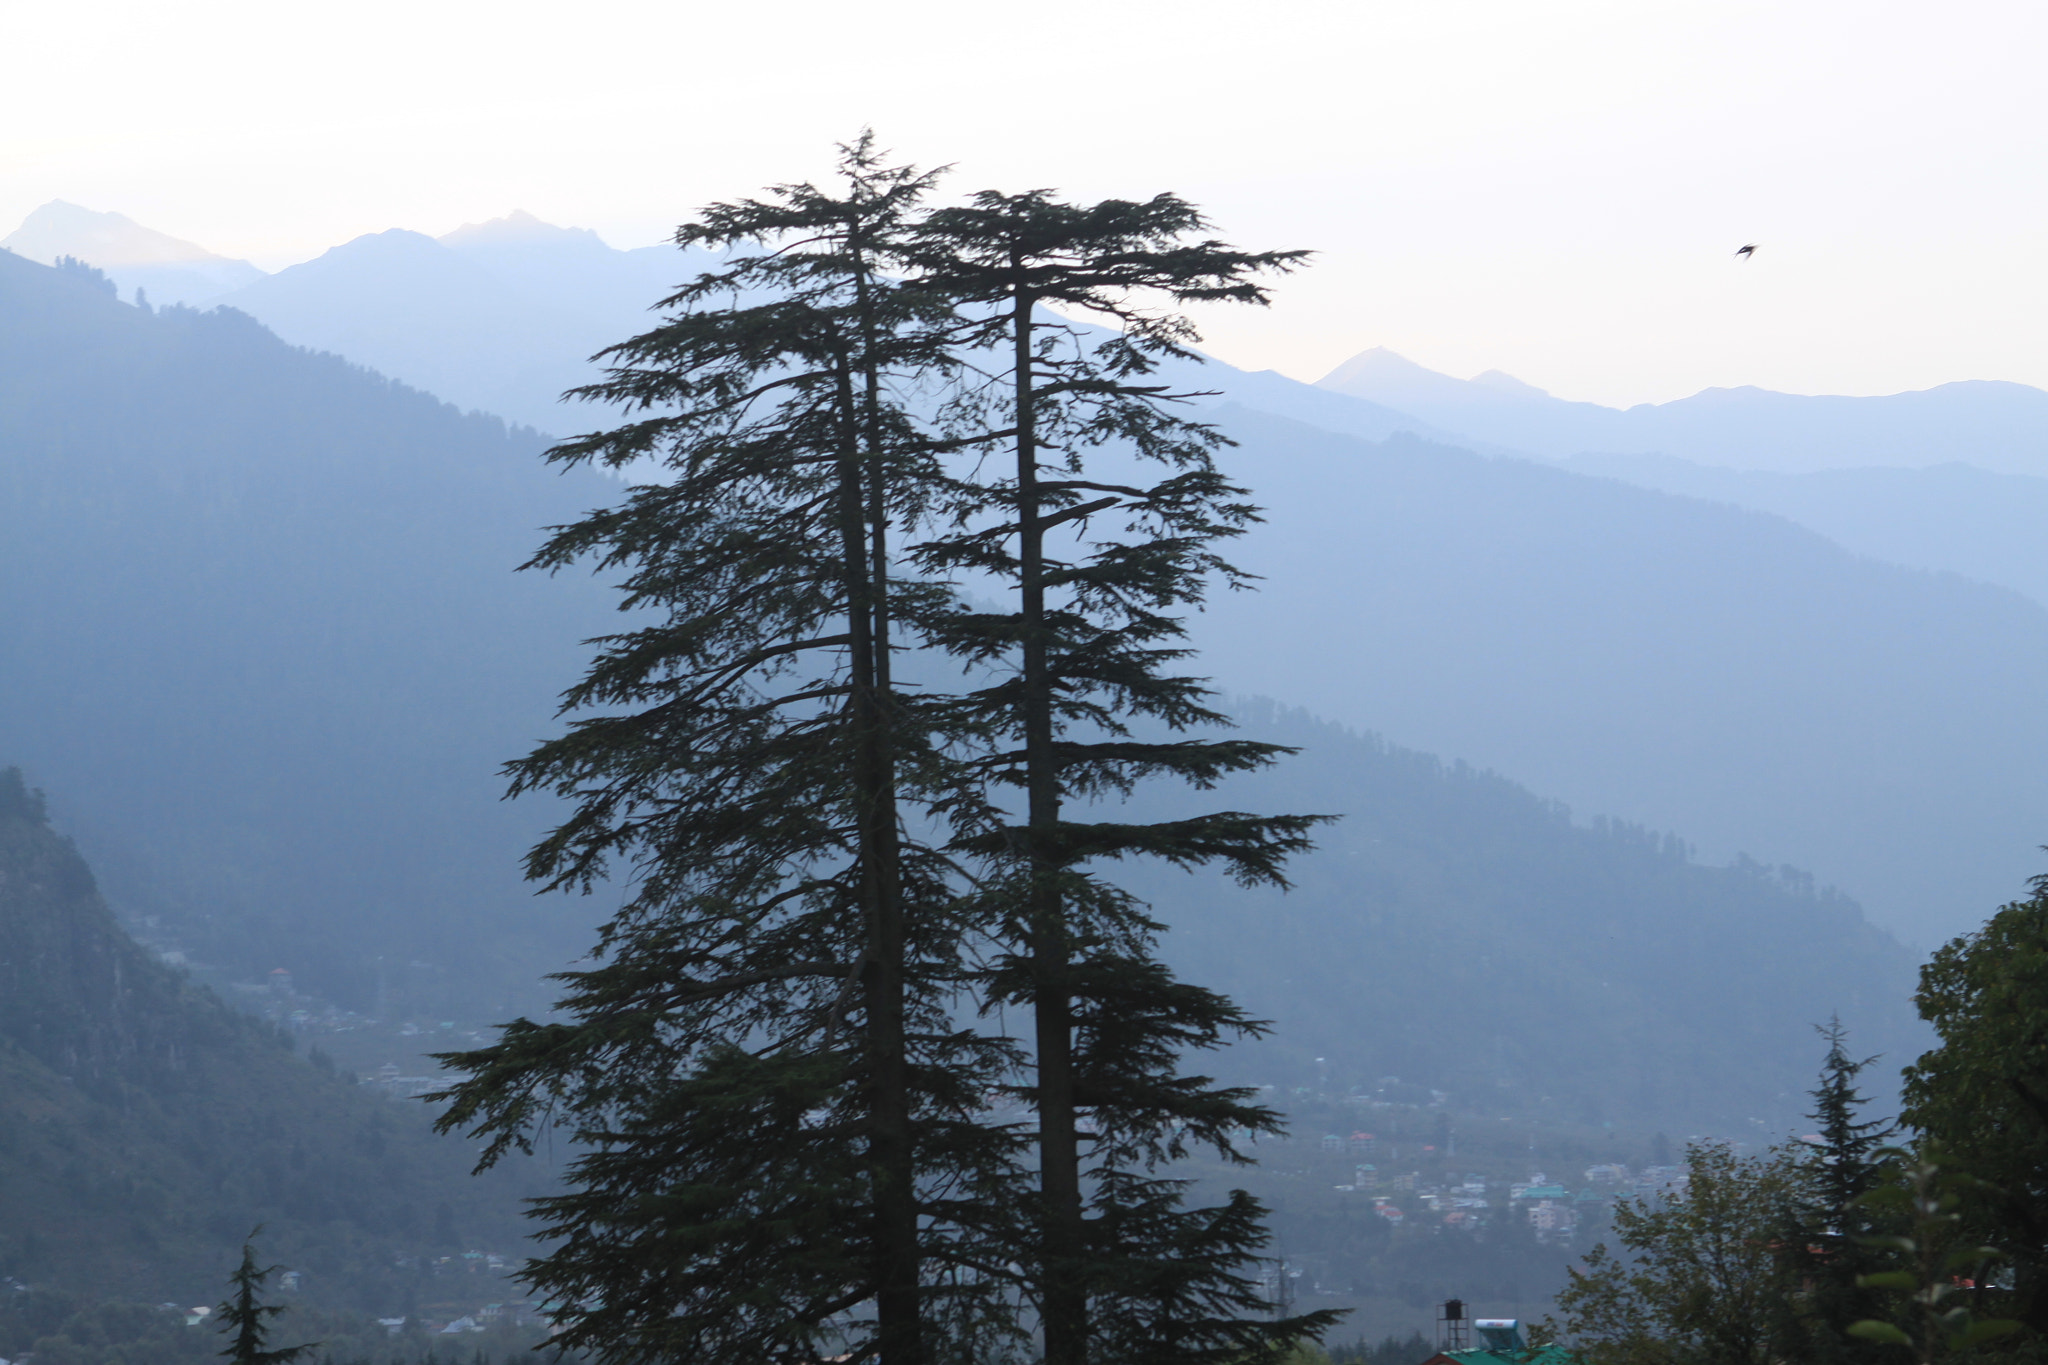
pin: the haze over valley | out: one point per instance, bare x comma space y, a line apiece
1659, 735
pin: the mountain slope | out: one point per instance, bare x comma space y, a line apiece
1669, 661
1994, 425
262, 635
145, 1127
500, 317
1461, 934
261, 628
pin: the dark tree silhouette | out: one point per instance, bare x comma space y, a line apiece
778, 1113
246, 1316
792, 1122
1836, 1219
1102, 531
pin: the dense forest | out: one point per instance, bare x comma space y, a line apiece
146, 1127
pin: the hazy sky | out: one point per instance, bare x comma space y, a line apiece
1550, 189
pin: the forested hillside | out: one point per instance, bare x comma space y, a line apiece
1461, 934
146, 1128
263, 640
264, 646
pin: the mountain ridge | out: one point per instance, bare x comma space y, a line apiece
1458, 932
1675, 662
174, 270
229, 560
1995, 424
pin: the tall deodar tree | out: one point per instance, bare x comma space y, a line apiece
1102, 528
774, 1107
797, 1126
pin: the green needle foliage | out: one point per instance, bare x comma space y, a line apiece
1097, 510
1828, 1240
777, 1111
785, 1072
246, 1316
1758, 1260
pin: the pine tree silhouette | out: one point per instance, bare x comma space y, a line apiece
244, 1314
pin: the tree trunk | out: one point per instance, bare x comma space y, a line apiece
891, 1157
1065, 1301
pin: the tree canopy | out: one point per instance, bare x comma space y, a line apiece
1982, 1092
806, 1130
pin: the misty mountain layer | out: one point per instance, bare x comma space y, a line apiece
263, 637
499, 317
1955, 518
1461, 934
1679, 663
1990, 424
264, 645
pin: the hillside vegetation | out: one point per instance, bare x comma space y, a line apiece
1454, 932
265, 644
145, 1127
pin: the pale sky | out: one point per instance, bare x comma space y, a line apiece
1555, 190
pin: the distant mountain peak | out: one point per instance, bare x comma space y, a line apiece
517, 226
107, 240
1376, 363
1387, 377
1507, 383
136, 257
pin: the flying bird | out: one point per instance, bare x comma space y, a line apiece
1747, 249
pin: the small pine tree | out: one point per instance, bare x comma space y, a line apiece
1831, 1223
1845, 1165
244, 1314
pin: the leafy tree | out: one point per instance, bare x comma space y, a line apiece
1795, 1255
1703, 1280
1931, 1322
1982, 1093
245, 1315
1102, 531
778, 1113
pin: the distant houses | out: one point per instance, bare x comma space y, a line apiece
1551, 1207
